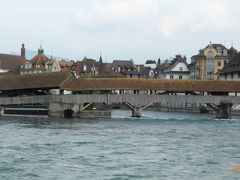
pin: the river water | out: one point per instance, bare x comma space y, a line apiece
175, 146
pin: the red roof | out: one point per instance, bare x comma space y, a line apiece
40, 59
11, 62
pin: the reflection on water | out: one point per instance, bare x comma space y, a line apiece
157, 146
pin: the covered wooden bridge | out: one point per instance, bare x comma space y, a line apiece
21, 84
137, 94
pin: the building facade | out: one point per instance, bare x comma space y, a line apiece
208, 63
174, 69
41, 64
127, 68
232, 70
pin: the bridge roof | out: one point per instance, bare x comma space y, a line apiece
151, 84
34, 81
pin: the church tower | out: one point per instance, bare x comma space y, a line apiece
23, 51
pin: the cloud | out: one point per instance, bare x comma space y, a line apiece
170, 18
197, 17
117, 13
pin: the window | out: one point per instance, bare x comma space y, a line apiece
84, 67
171, 77
210, 54
180, 69
180, 77
225, 52
239, 75
231, 75
225, 76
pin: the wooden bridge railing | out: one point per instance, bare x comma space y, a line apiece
134, 99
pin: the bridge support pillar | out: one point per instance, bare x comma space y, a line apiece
82, 107
224, 111
137, 112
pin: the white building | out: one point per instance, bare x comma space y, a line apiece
176, 69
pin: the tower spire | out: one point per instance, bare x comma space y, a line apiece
100, 59
23, 51
40, 50
210, 45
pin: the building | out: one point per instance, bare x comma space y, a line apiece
232, 70
126, 68
87, 67
66, 65
37, 64
146, 72
11, 64
175, 69
191, 68
148, 69
42, 64
208, 63
106, 71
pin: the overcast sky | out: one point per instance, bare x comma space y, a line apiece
121, 29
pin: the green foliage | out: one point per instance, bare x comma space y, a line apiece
203, 109
150, 62
86, 75
92, 106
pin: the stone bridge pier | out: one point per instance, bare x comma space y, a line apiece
67, 110
63, 110
136, 110
223, 111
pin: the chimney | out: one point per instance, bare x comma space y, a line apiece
23, 54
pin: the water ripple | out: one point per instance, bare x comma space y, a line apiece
157, 146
